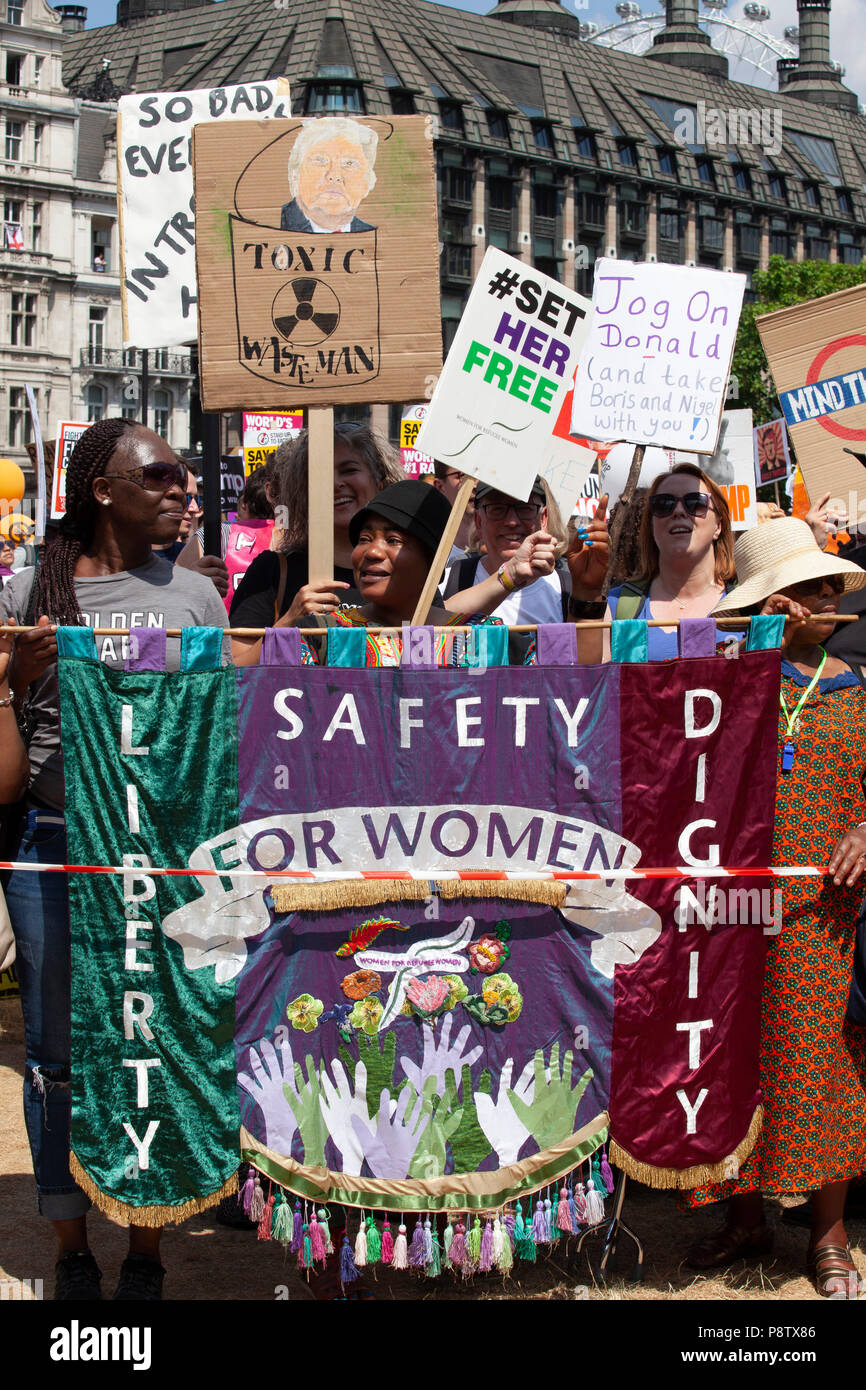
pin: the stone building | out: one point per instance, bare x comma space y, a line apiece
59, 256
553, 148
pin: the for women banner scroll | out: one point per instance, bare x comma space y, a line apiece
426, 1019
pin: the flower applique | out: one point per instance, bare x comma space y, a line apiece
428, 996
366, 1014
303, 1012
487, 954
361, 983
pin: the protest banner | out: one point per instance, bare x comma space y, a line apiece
772, 456
264, 433
246, 540
413, 460
513, 1019
817, 355
654, 367
732, 466
156, 216
68, 434
508, 370
315, 238
232, 480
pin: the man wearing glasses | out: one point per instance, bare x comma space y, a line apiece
537, 593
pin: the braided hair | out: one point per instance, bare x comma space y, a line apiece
55, 576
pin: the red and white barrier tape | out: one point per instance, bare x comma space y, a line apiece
446, 875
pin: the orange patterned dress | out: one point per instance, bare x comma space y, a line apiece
813, 1063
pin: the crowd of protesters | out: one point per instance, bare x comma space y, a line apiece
129, 546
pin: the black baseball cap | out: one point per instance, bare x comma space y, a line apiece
413, 506
484, 490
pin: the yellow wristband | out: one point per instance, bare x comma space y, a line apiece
505, 579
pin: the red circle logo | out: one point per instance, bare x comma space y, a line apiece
814, 375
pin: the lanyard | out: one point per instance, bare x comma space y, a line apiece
792, 718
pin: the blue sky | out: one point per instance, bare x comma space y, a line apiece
846, 18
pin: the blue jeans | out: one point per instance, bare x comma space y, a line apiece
39, 909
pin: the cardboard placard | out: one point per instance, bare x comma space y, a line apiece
68, 434
508, 371
156, 216
318, 261
654, 368
817, 355
263, 433
415, 463
732, 468
772, 457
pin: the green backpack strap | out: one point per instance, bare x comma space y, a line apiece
631, 600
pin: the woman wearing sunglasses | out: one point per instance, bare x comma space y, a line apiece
125, 493
686, 551
813, 1063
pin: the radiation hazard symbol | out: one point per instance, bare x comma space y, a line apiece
306, 312
307, 305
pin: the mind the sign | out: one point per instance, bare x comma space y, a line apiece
655, 364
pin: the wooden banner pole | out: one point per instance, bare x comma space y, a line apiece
320, 492
626, 498
461, 502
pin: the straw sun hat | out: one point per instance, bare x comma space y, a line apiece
771, 557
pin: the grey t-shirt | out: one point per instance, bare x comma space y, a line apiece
154, 595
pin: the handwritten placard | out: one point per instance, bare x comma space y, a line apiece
508, 371
156, 206
655, 364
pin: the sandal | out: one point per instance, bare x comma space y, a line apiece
828, 1264
729, 1244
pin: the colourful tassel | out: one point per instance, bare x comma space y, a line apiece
401, 1249
508, 1226
249, 1188
374, 1241
434, 1268
361, 1246
297, 1229
485, 1262
428, 1241
505, 1261
326, 1231
549, 1222
387, 1244
417, 1256
264, 1231
594, 1205
457, 1249
563, 1212
473, 1242
606, 1173
348, 1269
281, 1225
518, 1230
580, 1204
305, 1252
537, 1231
447, 1238
317, 1239
572, 1210
257, 1201
500, 1240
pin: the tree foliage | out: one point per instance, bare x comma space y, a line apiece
782, 284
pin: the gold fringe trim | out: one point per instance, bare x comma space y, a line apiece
698, 1176
529, 890
367, 892
351, 892
147, 1216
